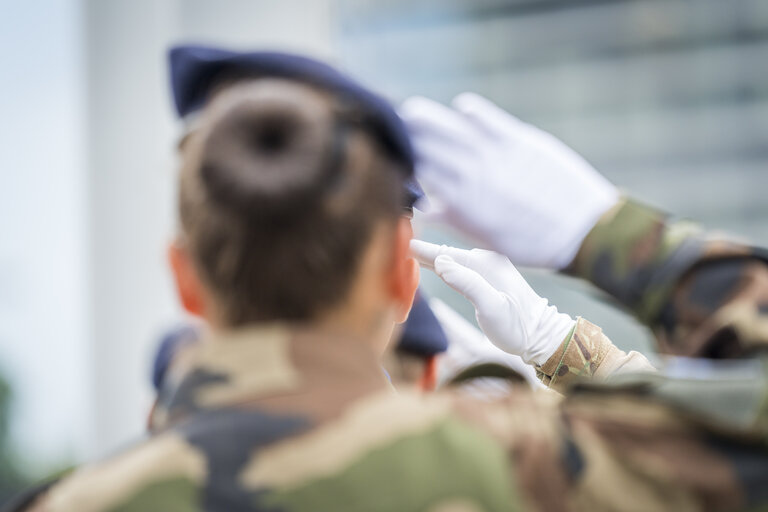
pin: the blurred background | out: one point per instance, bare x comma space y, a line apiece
668, 98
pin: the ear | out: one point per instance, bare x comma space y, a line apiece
405, 271
185, 277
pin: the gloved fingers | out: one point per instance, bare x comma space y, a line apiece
488, 117
429, 120
495, 268
486, 299
426, 253
488, 264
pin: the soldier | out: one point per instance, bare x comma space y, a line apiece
293, 248
196, 75
522, 192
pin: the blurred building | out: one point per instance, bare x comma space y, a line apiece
669, 98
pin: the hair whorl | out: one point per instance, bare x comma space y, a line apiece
271, 146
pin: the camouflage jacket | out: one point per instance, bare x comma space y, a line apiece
703, 294
275, 418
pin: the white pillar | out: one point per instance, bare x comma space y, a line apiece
131, 140
43, 346
130, 170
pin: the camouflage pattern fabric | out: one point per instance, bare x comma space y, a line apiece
281, 419
587, 353
702, 294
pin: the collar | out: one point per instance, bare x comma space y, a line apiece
267, 363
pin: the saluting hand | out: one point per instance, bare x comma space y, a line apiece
515, 188
508, 310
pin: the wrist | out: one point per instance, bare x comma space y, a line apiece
582, 226
580, 356
554, 329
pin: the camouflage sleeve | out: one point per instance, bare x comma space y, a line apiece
587, 353
668, 442
702, 294
690, 437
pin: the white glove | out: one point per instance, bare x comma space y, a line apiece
507, 309
503, 182
467, 346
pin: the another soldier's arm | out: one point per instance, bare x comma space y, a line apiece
701, 295
535, 199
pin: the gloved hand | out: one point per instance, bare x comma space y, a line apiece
507, 309
503, 182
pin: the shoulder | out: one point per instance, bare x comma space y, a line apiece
164, 469
385, 452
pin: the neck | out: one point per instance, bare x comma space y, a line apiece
373, 328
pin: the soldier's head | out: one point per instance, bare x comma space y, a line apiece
200, 73
290, 209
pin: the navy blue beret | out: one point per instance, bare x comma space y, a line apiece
422, 333
196, 70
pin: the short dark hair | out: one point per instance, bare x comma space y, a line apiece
281, 188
